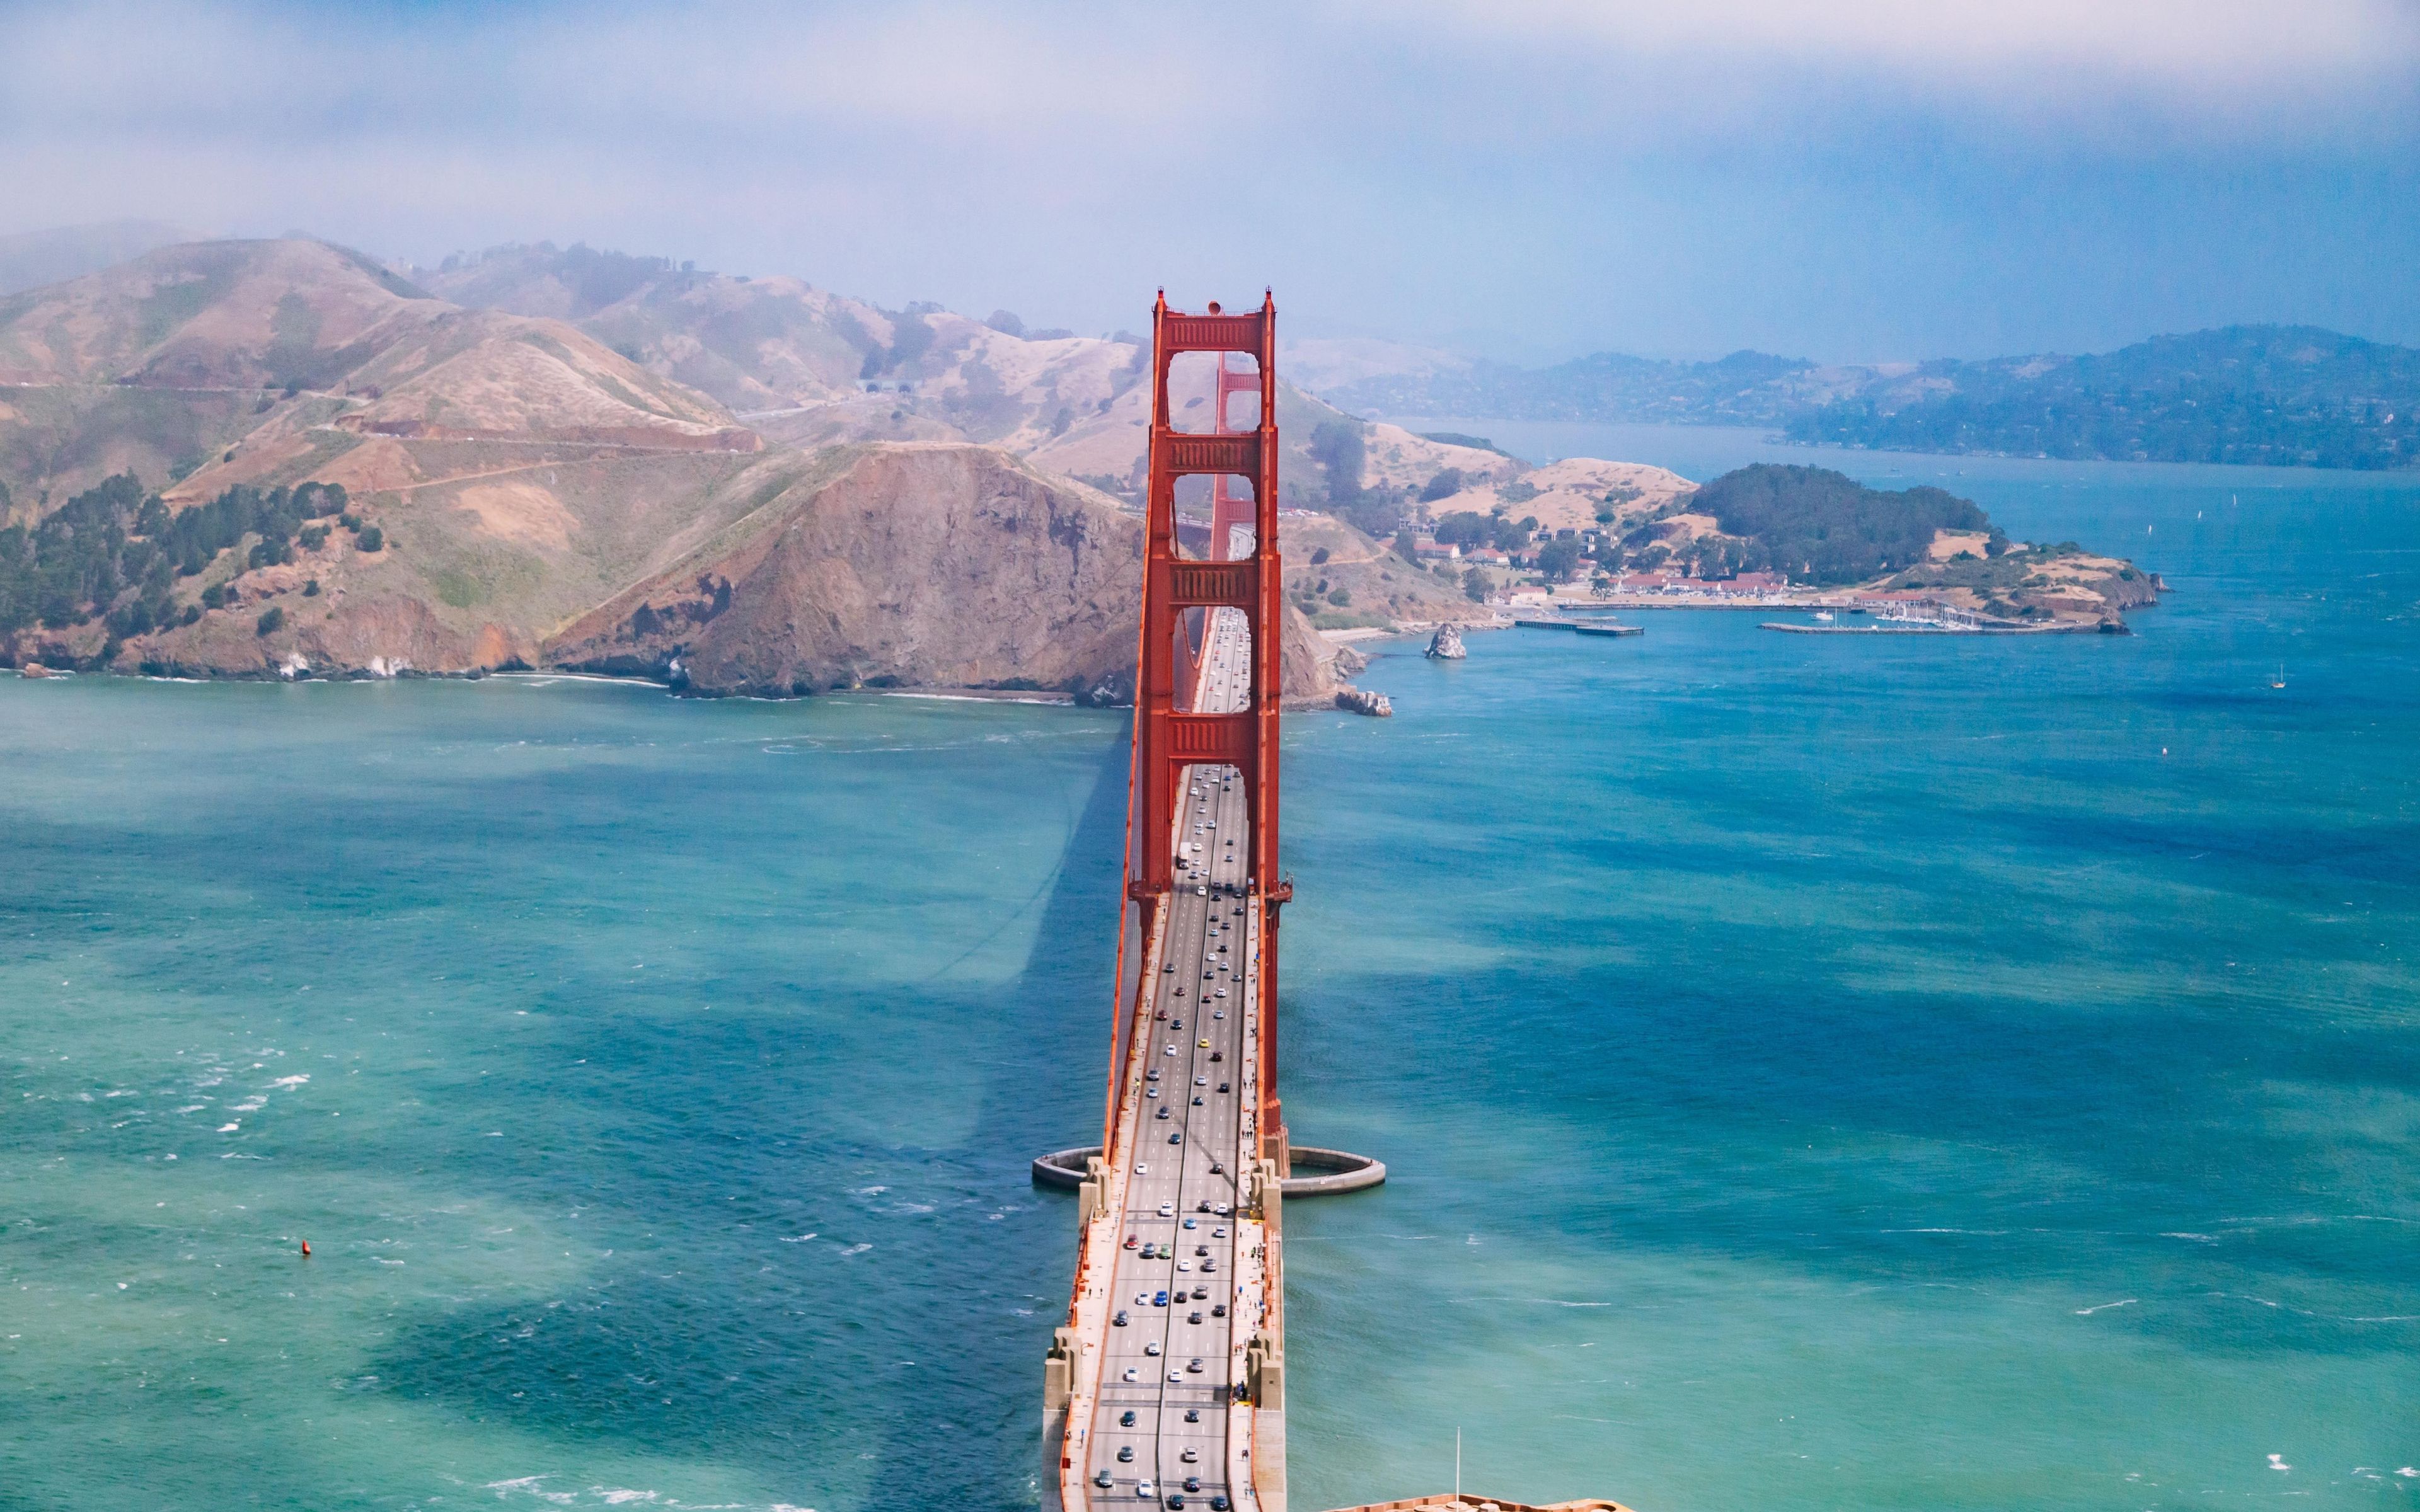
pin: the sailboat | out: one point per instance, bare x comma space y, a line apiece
2279, 681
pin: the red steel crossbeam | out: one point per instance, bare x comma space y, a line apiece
1171, 734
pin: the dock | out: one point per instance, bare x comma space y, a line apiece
1926, 628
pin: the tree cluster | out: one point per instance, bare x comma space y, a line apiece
115, 550
1468, 528
1339, 450
1821, 527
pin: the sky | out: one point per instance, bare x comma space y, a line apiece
1525, 179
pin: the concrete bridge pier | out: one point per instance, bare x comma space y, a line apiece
1318, 1173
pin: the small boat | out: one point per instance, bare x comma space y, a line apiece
1445, 645
1823, 616
2279, 681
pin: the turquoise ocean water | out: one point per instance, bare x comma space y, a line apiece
1959, 1074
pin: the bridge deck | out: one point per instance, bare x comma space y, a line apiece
1162, 1337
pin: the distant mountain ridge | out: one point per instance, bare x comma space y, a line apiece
2275, 395
1747, 388
2278, 395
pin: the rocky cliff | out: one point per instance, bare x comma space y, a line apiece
900, 566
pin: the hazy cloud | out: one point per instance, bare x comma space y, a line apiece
1856, 178
2198, 49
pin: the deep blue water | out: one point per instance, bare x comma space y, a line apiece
1814, 1072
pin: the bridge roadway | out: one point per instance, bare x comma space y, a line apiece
1154, 1414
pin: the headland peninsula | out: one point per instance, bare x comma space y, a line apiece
285, 459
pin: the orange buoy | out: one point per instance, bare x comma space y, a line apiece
306, 1249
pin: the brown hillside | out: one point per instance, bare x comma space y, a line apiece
1380, 587
899, 565
796, 360
755, 345
245, 362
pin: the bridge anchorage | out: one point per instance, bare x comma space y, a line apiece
1166, 1385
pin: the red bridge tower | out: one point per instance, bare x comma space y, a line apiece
1170, 732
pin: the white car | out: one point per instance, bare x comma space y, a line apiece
1167, 1210
1142, 1488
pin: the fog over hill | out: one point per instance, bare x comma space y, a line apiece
33, 258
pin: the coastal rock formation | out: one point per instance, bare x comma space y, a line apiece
899, 565
886, 565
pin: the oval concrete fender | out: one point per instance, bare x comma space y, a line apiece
1333, 1171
